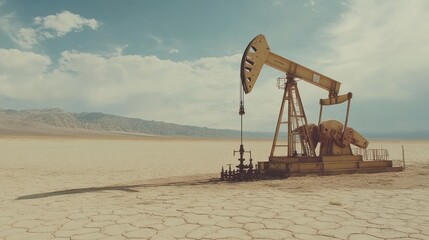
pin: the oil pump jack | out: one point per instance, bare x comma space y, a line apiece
300, 158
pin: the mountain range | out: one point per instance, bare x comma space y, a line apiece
55, 121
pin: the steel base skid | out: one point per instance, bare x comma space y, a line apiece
327, 165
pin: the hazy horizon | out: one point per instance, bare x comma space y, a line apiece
55, 121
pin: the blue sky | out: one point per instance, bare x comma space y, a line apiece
178, 61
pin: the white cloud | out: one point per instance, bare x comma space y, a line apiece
158, 40
44, 27
379, 49
23, 37
23, 74
62, 23
118, 49
193, 92
310, 3
26, 37
170, 46
174, 50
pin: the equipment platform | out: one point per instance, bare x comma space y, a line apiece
327, 165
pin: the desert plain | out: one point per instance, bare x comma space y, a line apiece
56, 187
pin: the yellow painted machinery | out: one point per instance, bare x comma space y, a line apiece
297, 155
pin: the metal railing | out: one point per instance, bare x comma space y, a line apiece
372, 154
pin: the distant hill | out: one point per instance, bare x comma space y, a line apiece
55, 121
51, 120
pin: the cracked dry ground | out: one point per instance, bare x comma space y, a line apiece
71, 206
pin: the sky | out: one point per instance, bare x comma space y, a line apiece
178, 61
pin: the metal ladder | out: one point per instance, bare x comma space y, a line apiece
296, 120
